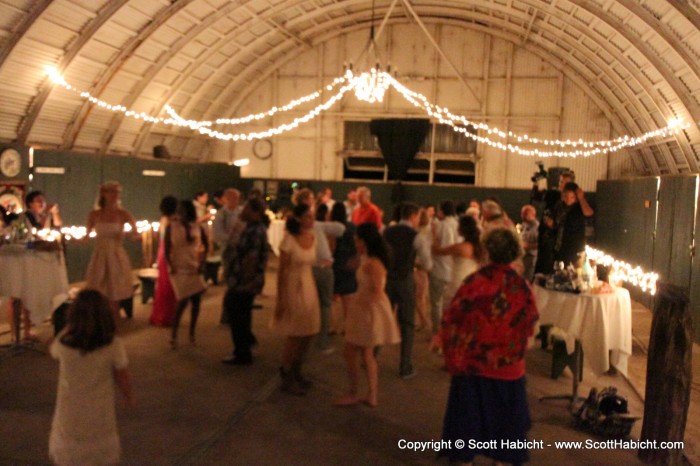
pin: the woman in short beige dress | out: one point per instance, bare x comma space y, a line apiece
370, 321
297, 314
185, 249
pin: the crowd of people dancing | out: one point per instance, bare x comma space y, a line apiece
458, 271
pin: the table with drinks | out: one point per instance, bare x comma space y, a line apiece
37, 277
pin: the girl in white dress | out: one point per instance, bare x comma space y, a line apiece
92, 360
370, 321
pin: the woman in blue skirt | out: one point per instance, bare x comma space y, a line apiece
485, 332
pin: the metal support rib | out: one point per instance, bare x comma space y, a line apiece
410, 9
83, 38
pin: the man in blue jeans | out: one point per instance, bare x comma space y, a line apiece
245, 257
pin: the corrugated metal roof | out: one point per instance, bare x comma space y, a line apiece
641, 58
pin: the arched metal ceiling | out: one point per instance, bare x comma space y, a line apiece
639, 60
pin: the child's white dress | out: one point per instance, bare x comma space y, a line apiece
84, 427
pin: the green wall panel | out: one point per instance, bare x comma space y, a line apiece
76, 189
608, 223
676, 221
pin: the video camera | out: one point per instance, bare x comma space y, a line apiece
539, 174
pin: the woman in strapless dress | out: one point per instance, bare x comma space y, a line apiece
109, 270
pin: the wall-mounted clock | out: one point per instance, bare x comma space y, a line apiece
10, 163
262, 149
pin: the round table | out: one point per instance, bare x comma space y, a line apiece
38, 278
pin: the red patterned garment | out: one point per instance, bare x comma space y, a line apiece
486, 327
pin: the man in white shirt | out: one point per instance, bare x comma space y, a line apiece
226, 217
199, 201
351, 203
224, 223
441, 273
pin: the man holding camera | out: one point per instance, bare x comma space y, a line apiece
554, 208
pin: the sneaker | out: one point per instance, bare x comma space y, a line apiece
408, 375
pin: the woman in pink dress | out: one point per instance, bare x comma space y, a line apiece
164, 303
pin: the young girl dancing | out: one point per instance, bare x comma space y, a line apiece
92, 360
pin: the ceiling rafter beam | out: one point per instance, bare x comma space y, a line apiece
179, 44
279, 27
685, 99
439, 50
155, 68
690, 13
535, 13
143, 137
84, 36
603, 98
21, 29
478, 17
125, 53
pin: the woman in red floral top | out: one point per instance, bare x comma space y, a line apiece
485, 332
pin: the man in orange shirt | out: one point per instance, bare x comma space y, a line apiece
366, 211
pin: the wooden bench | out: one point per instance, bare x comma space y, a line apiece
148, 279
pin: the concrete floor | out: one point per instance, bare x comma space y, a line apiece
194, 410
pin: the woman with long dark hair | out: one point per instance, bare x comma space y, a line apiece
370, 321
466, 256
164, 302
92, 360
297, 313
345, 262
186, 249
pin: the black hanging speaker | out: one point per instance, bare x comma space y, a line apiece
160, 152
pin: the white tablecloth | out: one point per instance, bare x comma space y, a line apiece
602, 322
275, 232
39, 279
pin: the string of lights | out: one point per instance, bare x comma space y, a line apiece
621, 271
281, 128
195, 124
443, 115
371, 87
